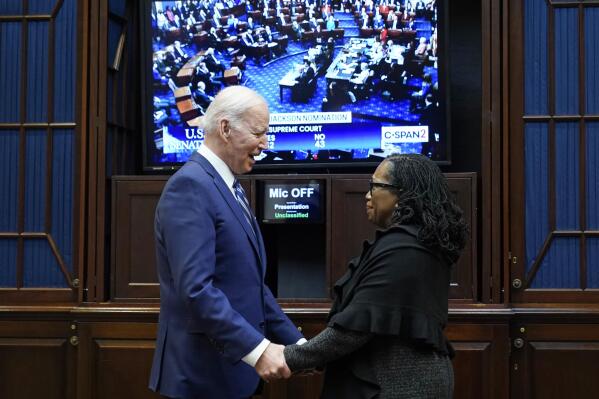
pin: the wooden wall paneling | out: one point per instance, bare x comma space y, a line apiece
555, 360
493, 58
516, 148
82, 121
96, 150
115, 359
464, 284
134, 200
350, 226
481, 364
36, 360
503, 274
133, 270
297, 387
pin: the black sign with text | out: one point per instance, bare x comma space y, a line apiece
292, 202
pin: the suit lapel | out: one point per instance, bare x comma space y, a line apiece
232, 203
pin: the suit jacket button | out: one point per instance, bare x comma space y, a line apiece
261, 324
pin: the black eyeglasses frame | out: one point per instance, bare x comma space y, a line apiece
373, 184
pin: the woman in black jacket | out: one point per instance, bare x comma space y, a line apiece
384, 337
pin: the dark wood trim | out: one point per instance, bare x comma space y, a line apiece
100, 182
23, 296
91, 150
17, 18
60, 261
572, 4
37, 125
490, 285
515, 184
493, 204
538, 260
23, 235
57, 8
486, 131
482, 313
81, 133
560, 296
504, 261
576, 233
560, 118
329, 237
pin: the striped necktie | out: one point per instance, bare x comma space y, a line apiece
243, 203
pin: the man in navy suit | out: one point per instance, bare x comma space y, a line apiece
220, 326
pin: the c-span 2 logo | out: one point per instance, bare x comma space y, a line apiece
404, 134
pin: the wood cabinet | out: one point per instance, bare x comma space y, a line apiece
481, 363
36, 360
552, 360
106, 353
91, 352
133, 271
114, 359
134, 199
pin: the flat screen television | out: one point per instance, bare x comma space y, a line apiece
347, 82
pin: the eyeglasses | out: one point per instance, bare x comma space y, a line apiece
373, 184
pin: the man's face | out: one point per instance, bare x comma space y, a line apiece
248, 140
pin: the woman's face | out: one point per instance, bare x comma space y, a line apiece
380, 200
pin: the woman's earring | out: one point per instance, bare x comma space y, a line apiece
396, 205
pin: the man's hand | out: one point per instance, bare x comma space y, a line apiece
271, 365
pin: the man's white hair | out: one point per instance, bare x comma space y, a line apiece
232, 104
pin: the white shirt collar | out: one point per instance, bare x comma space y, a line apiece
221, 167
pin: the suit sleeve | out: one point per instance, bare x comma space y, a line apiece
279, 329
186, 228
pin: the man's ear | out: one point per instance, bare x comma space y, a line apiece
225, 129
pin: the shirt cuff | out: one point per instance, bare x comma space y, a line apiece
252, 357
301, 341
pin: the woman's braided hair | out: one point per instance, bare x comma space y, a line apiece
425, 200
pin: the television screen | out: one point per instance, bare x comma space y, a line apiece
345, 81
292, 201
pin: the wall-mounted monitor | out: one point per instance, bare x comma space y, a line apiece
346, 82
292, 201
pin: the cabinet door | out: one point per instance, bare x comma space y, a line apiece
555, 361
481, 363
133, 273
115, 359
36, 360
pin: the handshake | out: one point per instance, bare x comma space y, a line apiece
272, 366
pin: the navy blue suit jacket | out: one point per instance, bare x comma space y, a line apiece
214, 305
